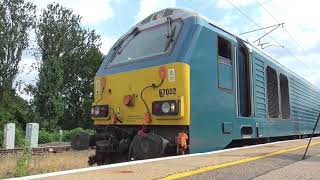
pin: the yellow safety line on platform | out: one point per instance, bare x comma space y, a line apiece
232, 163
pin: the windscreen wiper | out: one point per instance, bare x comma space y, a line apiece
117, 48
132, 35
170, 34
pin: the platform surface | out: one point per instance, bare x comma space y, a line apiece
280, 160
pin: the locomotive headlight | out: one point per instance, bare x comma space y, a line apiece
100, 111
169, 107
172, 107
92, 111
96, 111
165, 107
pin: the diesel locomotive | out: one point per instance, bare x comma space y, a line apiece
176, 83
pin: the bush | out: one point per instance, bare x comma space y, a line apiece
22, 165
68, 134
19, 137
46, 136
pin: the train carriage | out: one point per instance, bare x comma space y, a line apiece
176, 83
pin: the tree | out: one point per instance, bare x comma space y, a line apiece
14, 109
16, 19
48, 99
69, 56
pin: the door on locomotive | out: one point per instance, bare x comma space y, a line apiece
244, 92
225, 58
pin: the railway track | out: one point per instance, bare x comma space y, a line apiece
38, 150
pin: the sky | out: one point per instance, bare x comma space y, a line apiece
300, 34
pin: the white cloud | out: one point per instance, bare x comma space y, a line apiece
92, 12
106, 44
299, 18
148, 7
28, 75
226, 5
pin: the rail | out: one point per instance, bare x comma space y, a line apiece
38, 150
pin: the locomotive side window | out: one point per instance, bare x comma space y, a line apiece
272, 91
224, 48
284, 92
225, 77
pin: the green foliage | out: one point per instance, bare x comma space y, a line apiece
48, 100
16, 20
15, 110
63, 94
19, 137
68, 134
46, 136
22, 165
69, 57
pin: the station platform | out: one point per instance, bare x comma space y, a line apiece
278, 160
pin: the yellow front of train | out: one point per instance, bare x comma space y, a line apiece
141, 105
156, 95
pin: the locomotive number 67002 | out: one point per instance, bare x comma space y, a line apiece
167, 92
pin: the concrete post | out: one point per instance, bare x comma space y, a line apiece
32, 134
9, 136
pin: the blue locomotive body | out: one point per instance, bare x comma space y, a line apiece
232, 102
220, 90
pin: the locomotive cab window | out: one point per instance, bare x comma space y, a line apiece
272, 91
145, 43
284, 92
224, 64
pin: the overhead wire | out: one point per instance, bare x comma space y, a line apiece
247, 16
287, 31
289, 34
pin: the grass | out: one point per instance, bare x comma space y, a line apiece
46, 162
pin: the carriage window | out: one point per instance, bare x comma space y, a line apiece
272, 91
224, 48
284, 92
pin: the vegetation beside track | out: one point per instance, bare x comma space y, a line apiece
46, 136
45, 163
62, 95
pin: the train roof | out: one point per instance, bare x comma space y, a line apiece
175, 13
